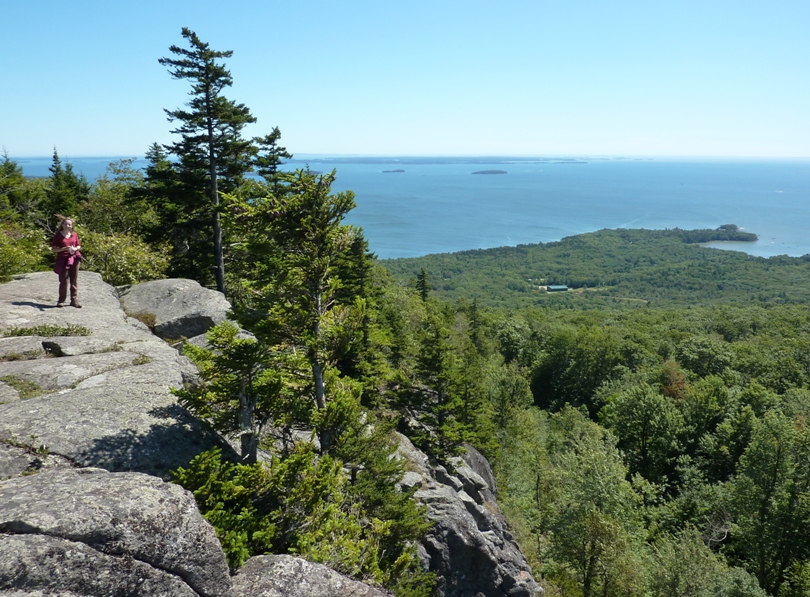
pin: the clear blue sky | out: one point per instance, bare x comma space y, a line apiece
542, 77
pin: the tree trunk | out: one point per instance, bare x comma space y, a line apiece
247, 436
212, 173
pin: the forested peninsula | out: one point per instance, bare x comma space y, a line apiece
647, 428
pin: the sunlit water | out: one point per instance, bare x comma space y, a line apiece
439, 205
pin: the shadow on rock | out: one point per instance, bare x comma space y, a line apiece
163, 448
40, 306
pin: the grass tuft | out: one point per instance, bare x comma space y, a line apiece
48, 330
26, 389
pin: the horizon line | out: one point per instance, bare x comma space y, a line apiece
320, 155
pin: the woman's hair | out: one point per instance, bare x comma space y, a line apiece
62, 221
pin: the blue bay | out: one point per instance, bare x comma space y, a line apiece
438, 205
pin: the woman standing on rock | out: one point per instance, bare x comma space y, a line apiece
66, 245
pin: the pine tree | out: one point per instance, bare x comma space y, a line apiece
423, 284
66, 190
213, 155
269, 157
306, 287
440, 398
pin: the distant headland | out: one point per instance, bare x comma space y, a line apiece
490, 172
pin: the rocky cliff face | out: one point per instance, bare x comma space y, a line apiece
469, 545
89, 431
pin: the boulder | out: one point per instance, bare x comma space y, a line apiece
469, 547
53, 566
288, 576
175, 308
102, 399
91, 532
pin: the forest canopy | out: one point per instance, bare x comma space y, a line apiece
614, 269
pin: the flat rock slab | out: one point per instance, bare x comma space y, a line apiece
109, 404
180, 308
8, 394
288, 576
119, 529
67, 372
16, 461
22, 347
30, 300
138, 427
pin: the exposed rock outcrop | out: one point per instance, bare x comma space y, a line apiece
92, 532
181, 308
101, 400
104, 400
469, 545
287, 576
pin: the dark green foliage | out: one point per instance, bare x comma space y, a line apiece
302, 503
242, 389
65, 192
648, 425
423, 284
116, 203
708, 406
571, 364
269, 156
296, 504
213, 155
614, 269
12, 181
771, 500
307, 270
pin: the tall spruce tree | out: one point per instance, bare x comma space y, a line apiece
308, 271
213, 155
269, 157
65, 192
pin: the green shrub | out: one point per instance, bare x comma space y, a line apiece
297, 504
21, 250
123, 258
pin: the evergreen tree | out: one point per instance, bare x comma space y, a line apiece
423, 284
11, 176
306, 287
439, 396
213, 155
65, 192
269, 157
161, 190
242, 388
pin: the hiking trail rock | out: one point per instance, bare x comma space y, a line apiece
103, 399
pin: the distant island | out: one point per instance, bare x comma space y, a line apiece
392, 171
490, 172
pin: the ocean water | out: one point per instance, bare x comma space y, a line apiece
438, 205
